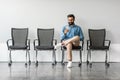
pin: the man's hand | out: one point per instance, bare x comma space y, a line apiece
65, 31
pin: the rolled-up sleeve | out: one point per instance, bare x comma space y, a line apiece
62, 33
81, 34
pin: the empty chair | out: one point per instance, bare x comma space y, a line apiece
97, 42
74, 48
19, 41
45, 41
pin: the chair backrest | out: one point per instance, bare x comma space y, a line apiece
45, 37
19, 36
97, 37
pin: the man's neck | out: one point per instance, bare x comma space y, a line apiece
72, 25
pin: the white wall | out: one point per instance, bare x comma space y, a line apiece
52, 14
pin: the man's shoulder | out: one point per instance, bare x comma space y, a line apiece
77, 26
65, 26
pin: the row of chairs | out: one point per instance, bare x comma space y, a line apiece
45, 41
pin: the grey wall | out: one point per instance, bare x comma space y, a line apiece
52, 14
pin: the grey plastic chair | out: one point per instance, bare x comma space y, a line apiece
97, 42
45, 41
19, 41
74, 48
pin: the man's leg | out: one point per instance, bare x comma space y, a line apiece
73, 40
69, 43
69, 54
69, 51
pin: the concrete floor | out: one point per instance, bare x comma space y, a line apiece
45, 71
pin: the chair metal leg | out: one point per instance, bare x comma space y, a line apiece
36, 57
90, 59
106, 57
80, 58
29, 57
62, 62
88, 55
106, 60
54, 58
10, 59
26, 57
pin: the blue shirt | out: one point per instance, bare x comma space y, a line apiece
74, 30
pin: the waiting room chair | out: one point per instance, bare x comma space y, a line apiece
97, 41
45, 41
74, 48
19, 41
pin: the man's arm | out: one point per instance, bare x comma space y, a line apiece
62, 34
81, 34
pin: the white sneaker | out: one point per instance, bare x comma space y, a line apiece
58, 45
69, 69
69, 65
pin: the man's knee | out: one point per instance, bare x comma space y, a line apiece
77, 37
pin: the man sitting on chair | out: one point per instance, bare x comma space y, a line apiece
71, 35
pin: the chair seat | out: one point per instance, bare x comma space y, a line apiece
99, 48
74, 47
44, 47
18, 47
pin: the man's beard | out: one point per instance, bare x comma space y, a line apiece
71, 23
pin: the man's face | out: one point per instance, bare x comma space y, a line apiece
70, 20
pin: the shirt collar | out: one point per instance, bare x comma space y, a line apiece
71, 25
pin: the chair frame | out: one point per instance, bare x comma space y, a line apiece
11, 41
89, 55
36, 43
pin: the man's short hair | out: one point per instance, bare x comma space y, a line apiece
71, 15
